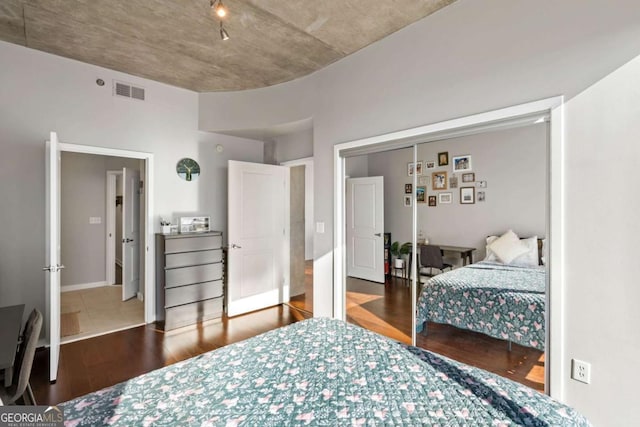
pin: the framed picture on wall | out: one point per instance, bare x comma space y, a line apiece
453, 182
467, 195
445, 198
443, 158
462, 163
430, 165
468, 177
421, 194
419, 168
408, 188
432, 201
408, 201
481, 196
439, 180
410, 169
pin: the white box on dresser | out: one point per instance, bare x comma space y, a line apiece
189, 278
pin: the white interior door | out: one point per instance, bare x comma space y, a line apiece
130, 233
365, 228
52, 255
258, 238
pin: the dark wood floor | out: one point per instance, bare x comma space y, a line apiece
386, 309
305, 300
95, 363
99, 362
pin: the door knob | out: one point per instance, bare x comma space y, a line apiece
379, 234
53, 268
127, 240
234, 246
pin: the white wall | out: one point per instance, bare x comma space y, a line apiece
43, 92
602, 229
512, 162
469, 58
83, 183
293, 146
357, 166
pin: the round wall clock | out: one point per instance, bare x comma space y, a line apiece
188, 169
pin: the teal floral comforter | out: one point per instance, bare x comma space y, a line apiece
318, 372
498, 300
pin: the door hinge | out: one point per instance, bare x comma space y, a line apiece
141, 187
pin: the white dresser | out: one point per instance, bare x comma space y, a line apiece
189, 278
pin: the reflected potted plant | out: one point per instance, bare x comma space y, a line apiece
399, 252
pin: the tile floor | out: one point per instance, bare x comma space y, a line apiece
101, 310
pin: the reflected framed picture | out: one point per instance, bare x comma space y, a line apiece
408, 201
432, 201
453, 182
445, 198
421, 194
408, 188
468, 177
461, 163
443, 158
419, 168
439, 180
410, 167
467, 195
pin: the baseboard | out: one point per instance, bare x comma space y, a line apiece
140, 296
81, 286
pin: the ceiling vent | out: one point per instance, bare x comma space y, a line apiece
126, 90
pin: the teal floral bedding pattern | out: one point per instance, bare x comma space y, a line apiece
318, 372
501, 301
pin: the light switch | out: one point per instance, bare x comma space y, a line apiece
320, 227
95, 220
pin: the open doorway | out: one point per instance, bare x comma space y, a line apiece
301, 233
97, 217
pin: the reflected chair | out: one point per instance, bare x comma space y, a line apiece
24, 362
431, 257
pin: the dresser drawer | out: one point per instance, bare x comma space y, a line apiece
191, 293
185, 259
187, 244
190, 314
189, 275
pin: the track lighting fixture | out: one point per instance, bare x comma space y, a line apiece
223, 33
219, 10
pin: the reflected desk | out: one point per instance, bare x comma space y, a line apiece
466, 254
11, 323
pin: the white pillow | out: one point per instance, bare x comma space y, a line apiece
529, 258
490, 256
544, 252
508, 247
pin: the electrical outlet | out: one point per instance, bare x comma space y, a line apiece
581, 371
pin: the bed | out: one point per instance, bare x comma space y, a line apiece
502, 301
318, 372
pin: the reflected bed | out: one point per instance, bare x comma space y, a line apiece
502, 301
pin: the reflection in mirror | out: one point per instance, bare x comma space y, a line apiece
481, 228
378, 289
